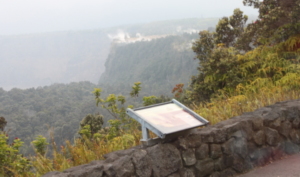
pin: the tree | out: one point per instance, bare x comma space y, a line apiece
218, 58
219, 71
94, 123
219, 52
278, 20
11, 161
40, 144
229, 29
121, 121
136, 88
204, 46
217, 62
2, 123
149, 100
178, 90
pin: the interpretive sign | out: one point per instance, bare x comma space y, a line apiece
166, 118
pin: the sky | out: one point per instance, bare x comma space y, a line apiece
39, 16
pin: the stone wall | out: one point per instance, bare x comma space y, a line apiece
225, 149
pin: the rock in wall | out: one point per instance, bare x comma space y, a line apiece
225, 149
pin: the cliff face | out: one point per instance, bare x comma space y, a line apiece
33, 60
224, 149
159, 64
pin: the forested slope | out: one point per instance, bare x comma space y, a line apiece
33, 60
30, 112
159, 64
240, 68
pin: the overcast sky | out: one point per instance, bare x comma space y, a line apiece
35, 16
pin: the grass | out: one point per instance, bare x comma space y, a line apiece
262, 91
222, 109
82, 152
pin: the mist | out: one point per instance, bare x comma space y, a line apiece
35, 16
54, 53
52, 41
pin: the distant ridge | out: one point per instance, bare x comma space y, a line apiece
32, 60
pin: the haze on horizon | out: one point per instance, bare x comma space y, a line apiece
36, 16
73, 55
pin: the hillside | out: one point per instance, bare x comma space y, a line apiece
238, 68
159, 64
62, 57
29, 61
29, 112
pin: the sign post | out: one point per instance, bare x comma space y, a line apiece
165, 119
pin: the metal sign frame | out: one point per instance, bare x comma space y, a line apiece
146, 126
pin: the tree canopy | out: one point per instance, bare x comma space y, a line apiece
229, 56
278, 20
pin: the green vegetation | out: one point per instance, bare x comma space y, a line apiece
3, 123
70, 56
278, 21
90, 125
234, 77
29, 112
241, 68
225, 66
11, 160
159, 64
122, 133
268, 78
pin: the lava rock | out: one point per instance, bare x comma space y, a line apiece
56, 174
165, 159
121, 167
257, 123
188, 157
295, 136
228, 173
219, 164
187, 172
291, 148
240, 147
215, 151
142, 163
215, 174
204, 167
227, 147
296, 123
206, 135
259, 138
261, 156
285, 128
202, 152
272, 136
278, 151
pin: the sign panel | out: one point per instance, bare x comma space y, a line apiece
168, 118
165, 119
